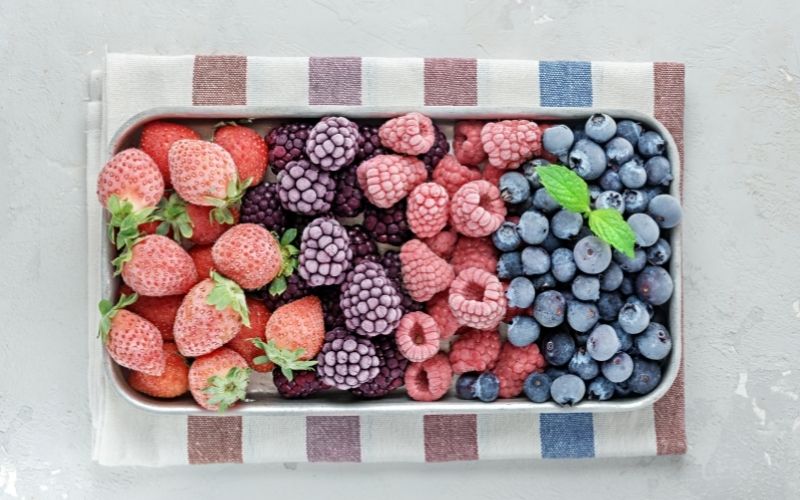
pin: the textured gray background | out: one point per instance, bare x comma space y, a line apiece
741, 231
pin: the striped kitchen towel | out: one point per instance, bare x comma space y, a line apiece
131, 84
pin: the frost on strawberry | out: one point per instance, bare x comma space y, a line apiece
218, 380
131, 341
156, 266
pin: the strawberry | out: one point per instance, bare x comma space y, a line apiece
211, 314
294, 335
192, 222
201, 255
203, 173
243, 342
132, 341
248, 150
172, 383
248, 254
156, 139
157, 310
219, 379
156, 266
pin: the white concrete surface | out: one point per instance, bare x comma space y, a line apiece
742, 245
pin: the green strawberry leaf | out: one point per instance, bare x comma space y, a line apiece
289, 254
227, 294
277, 286
172, 211
608, 225
108, 310
289, 361
225, 391
288, 236
566, 187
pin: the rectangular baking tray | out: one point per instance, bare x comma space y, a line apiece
262, 396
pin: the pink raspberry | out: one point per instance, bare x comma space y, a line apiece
514, 365
452, 175
427, 211
440, 311
387, 179
474, 252
417, 336
443, 243
429, 380
509, 143
424, 272
467, 142
477, 209
474, 351
477, 299
493, 174
411, 134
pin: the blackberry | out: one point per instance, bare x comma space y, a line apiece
349, 198
304, 189
332, 143
370, 300
261, 205
331, 310
304, 384
391, 370
361, 243
287, 143
440, 148
346, 361
369, 143
390, 260
387, 225
296, 288
325, 253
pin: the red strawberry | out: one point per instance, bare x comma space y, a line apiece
294, 335
157, 266
249, 255
157, 310
156, 139
243, 342
203, 173
205, 229
201, 255
172, 383
219, 379
212, 313
132, 341
192, 222
248, 150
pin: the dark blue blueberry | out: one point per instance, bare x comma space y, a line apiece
665, 209
635, 201
553, 372
579, 133
519, 208
586, 287
506, 238
654, 285
618, 368
565, 224
530, 173
625, 338
600, 389
633, 299
610, 199
544, 282
600, 127
633, 318
602, 343
651, 144
568, 390
537, 387
655, 342
533, 227
563, 264
582, 316
587, 159
520, 293
551, 242
514, 187
583, 365
609, 305
645, 377
535, 260
630, 130
660, 253
544, 202
523, 331
592, 255
487, 387
659, 171
594, 192
558, 348
619, 150
651, 192
549, 308
645, 228
557, 140
465, 385
631, 265
610, 181
509, 265
632, 174
622, 389
611, 278
628, 285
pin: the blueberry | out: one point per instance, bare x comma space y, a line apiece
558, 348
632, 174
625, 338
544, 202
645, 228
587, 159
659, 171
586, 287
565, 224
557, 140
487, 387
611, 278
581, 338
648, 307
537, 387
651, 192
592, 255
631, 265
622, 389
610, 199
594, 192
582, 365
582, 316
628, 285
535, 260
530, 173
654, 285
465, 386
520, 293
635, 200
610, 181
549, 308
519, 208
660, 253
579, 133
655, 342
600, 389
514, 187
523, 331
567, 390
545, 281
553, 372
551, 243
506, 238
609, 305
533, 227
562, 264
603, 343
618, 368
630, 130
600, 127
509, 265
645, 377
651, 144
619, 150
666, 210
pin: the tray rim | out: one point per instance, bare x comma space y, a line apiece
272, 405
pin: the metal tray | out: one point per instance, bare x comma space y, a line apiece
262, 396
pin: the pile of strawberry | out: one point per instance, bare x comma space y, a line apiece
207, 299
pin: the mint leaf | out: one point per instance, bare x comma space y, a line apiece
566, 187
610, 227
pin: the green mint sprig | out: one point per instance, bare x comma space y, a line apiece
572, 193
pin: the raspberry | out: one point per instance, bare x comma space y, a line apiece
286, 144
509, 143
304, 384
450, 174
332, 143
349, 198
417, 336
410, 134
346, 361
467, 142
387, 225
430, 379
439, 310
477, 209
474, 351
438, 150
387, 179
477, 299
391, 370
304, 189
427, 209
474, 252
360, 243
261, 205
513, 366
325, 253
443, 243
369, 143
424, 273
370, 301
493, 174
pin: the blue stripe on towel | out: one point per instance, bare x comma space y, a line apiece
565, 83
568, 435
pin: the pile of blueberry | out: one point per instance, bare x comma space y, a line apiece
597, 315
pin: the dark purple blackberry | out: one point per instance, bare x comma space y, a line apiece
325, 253
287, 143
261, 205
390, 260
391, 370
369, 143
349, 198
332, 143
408, 304
387, 225
331, 311
304, 384
440, 148
296, 288
304, 189
361, 243
370, 301
346, 361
